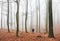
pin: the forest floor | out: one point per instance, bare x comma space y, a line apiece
11, 36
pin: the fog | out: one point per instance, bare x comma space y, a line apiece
31, 10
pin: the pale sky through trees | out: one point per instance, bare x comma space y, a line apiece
31, 8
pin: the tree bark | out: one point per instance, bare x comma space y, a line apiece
17, 17
1, 13
31, 23
8, 17
46, 22
39, 15
51, 34
26, 15
36, 16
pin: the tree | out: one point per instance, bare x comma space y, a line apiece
8, 17
11, 17
17, 17
26, 15
39, 14
47, 16
46, 22
37, 17
51, 34
31, 23
1, 13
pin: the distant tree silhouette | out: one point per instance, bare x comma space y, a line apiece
46, 22
8, 17
17, 17
39, 15
31, 18
47, 17
51, 34
31, 23
26, 15
36, 16
1, 13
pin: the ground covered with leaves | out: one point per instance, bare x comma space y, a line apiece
11, 36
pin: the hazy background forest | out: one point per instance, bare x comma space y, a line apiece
31, 10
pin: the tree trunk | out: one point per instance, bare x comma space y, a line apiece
8, 17
51, 34
22, 21
31, 23
47, 17
26, 15
1, 13
17, 18
36, 16
46, 22
39, 15
36, 19
11, 17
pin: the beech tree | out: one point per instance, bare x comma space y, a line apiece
8, 17
26, 15
47, 17
1, 13
51, 34
17, 17
46, 22
36, 17
31, 22
39, 14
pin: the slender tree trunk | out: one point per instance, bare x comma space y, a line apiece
1, 13
36, 17
46, 22
11, 17
8, 17
22, 21
51, 34
26, 15
47, 17
17, 17
39, 15
31, 23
